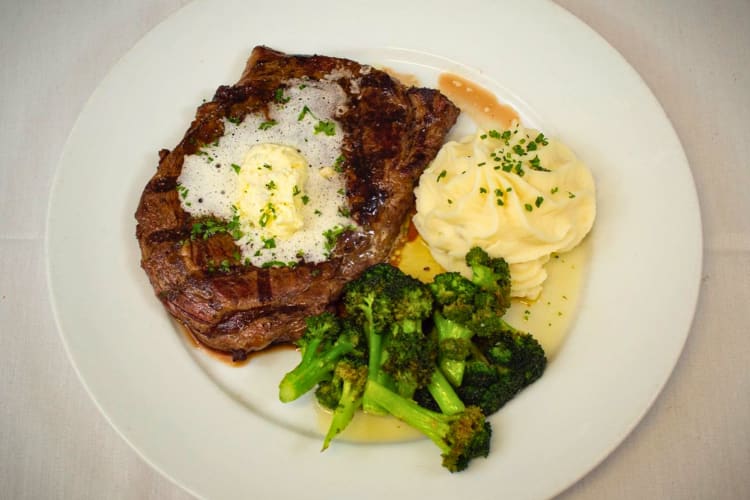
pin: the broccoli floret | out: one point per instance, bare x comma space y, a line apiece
500, 367
486, 359
322, 345
350, 376
461, 437
392, 306
490, 274
454, 341
328, 392
408, 361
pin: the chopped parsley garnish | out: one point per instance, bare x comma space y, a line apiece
278, 263
305, 199
441, 175
332, 236
236, 168
328, 128
534, 163
182, 191
267, 124
210, 227
528, 207
268, 213
279, 97
540, 139
338, 164
554, 190
271, 185
224, 267
269, 243
305, 111
538, 202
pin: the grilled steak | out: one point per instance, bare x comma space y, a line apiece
391, 133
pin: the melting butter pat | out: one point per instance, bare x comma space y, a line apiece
515, 193
269, 193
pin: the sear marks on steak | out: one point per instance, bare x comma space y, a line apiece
391, 133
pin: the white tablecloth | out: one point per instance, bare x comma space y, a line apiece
693, 443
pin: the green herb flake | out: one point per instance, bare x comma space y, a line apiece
528, 207
305, 111
441, 175
538, 202
535, 165
328, 128
338, 164
279, 97
331, 237
236, 168
267, 124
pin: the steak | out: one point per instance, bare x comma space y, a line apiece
391, 133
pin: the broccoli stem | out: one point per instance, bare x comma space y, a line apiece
444, 395
453, 369
434, 425
460, 437
312, 370
375, 348
350, 402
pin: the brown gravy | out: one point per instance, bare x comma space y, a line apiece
477, 102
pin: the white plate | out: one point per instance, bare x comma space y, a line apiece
635, 311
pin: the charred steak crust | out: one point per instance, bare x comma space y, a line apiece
391, 133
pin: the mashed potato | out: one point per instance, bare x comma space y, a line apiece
515, 193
